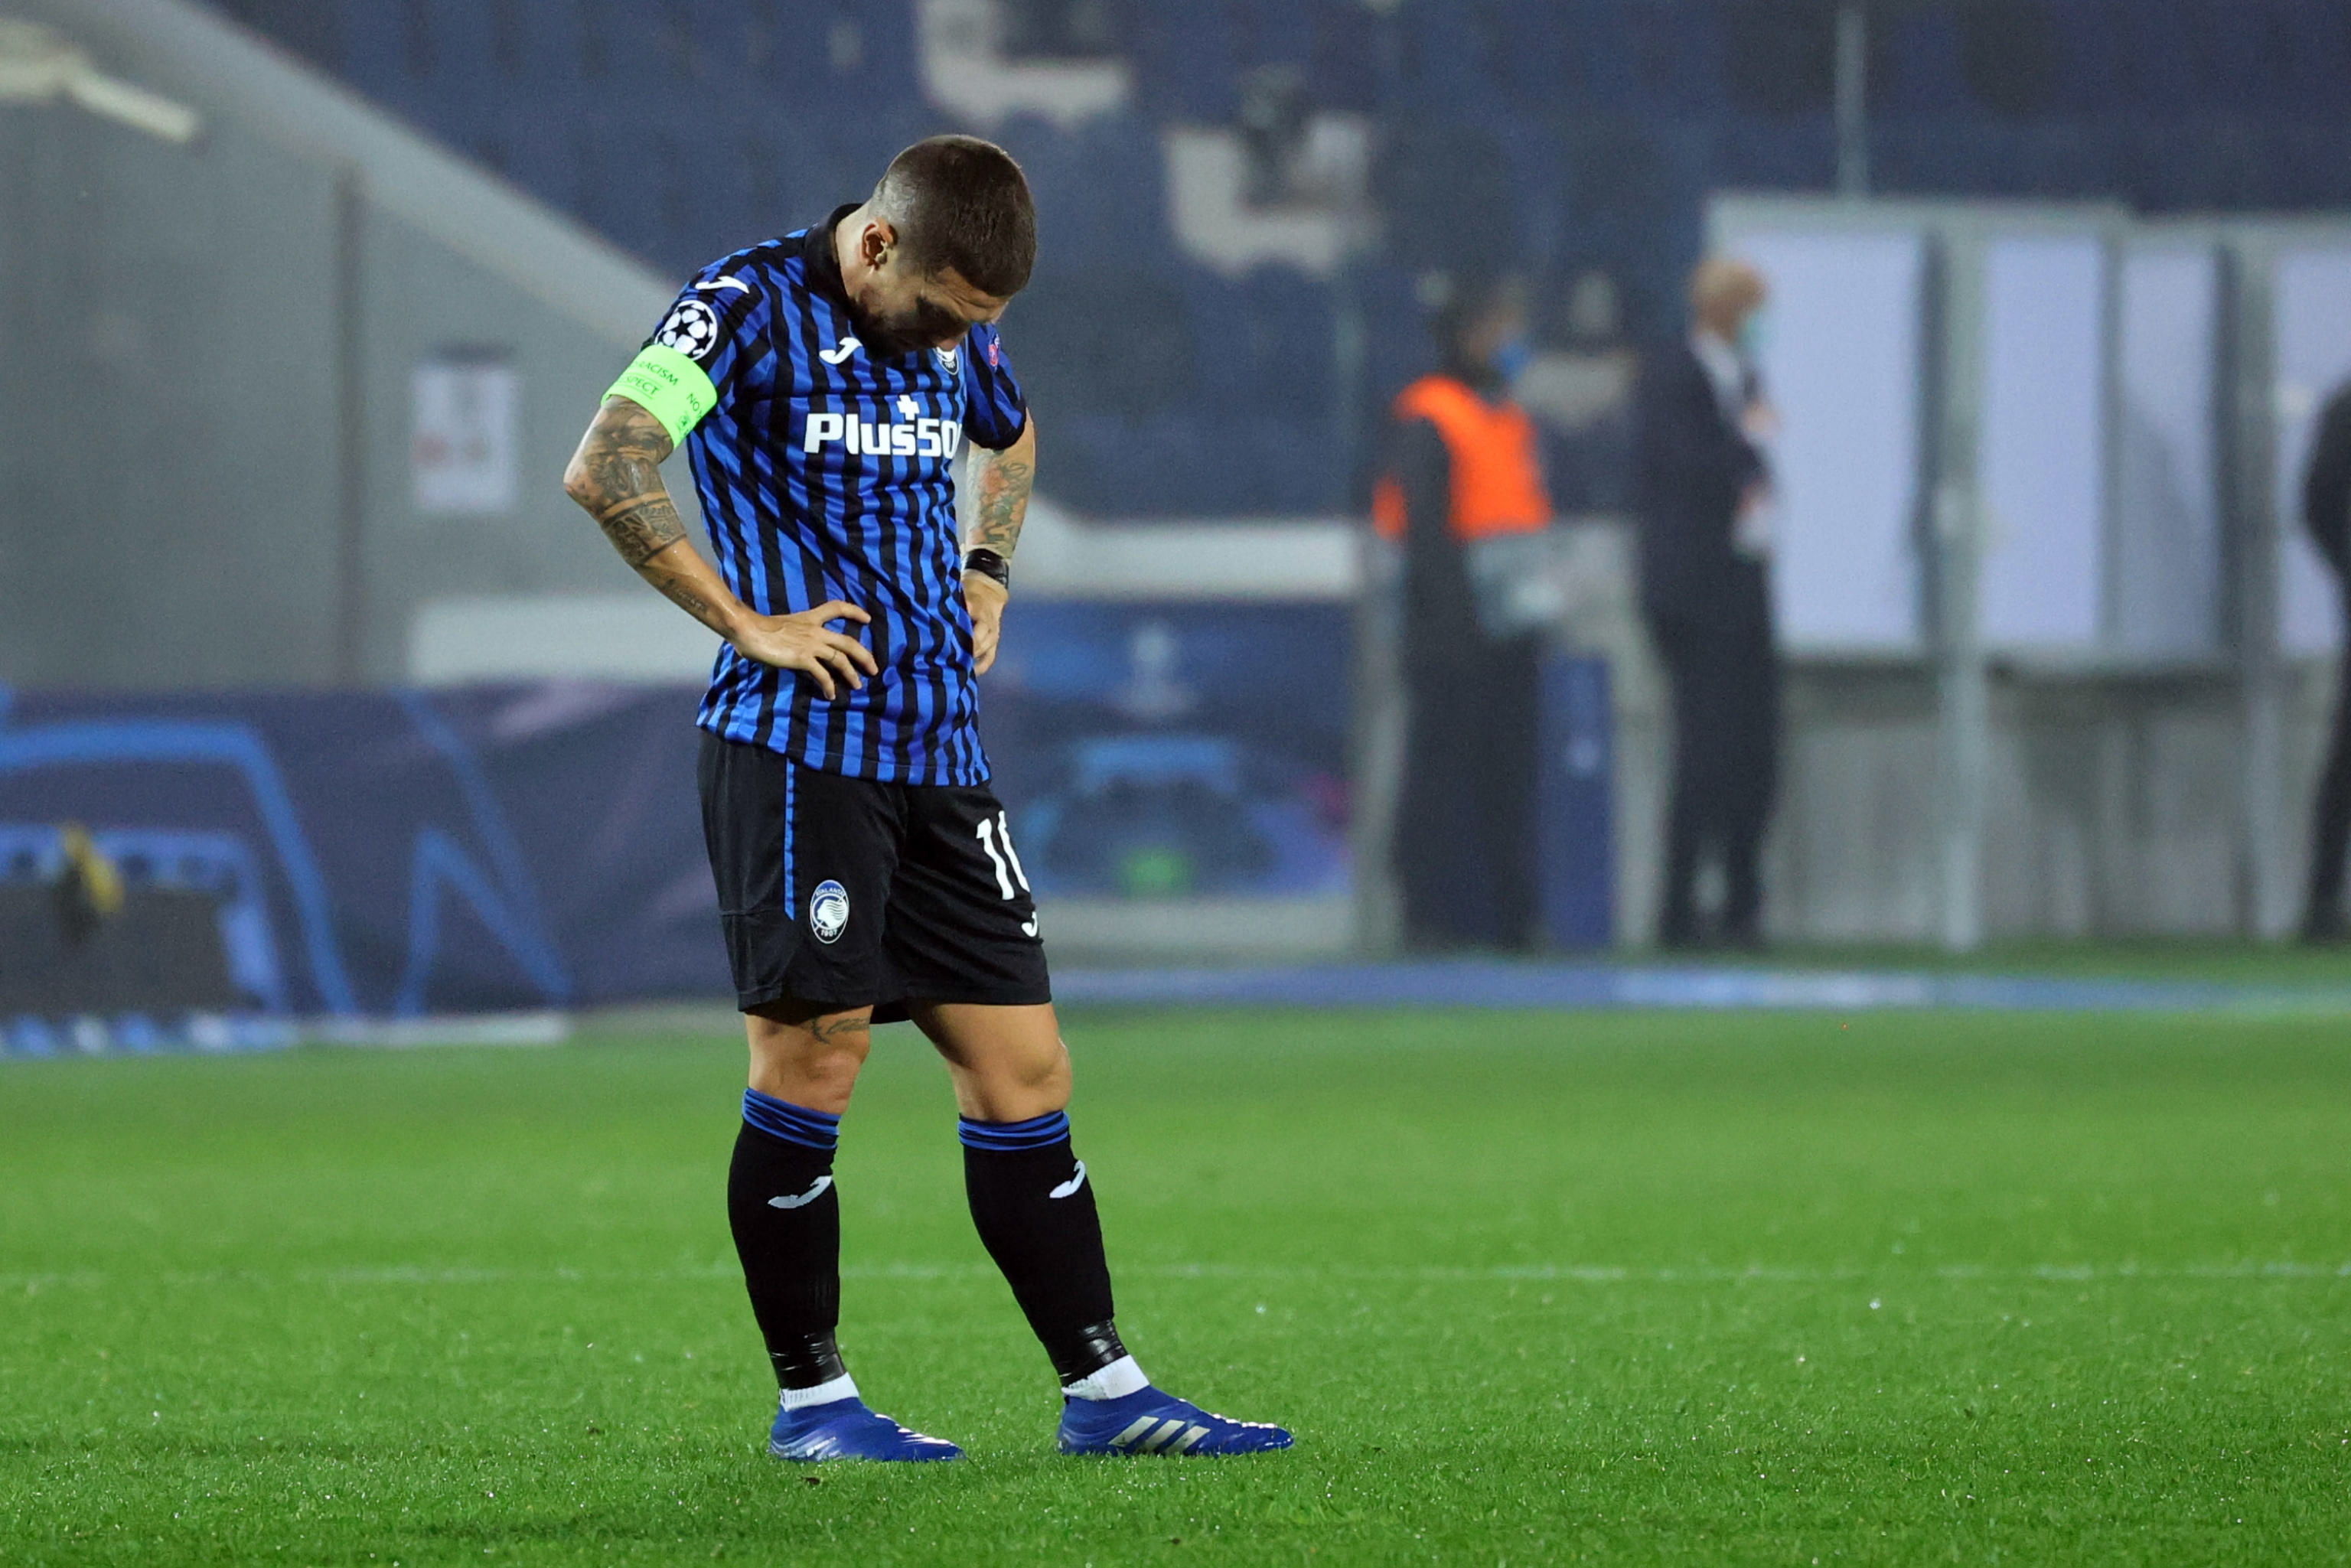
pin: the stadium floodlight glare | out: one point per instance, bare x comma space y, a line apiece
40, 64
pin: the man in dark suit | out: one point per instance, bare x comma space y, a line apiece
1704, 499
2326, 513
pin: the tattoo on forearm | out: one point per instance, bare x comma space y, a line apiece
1004, 484
618, 481
692, 603
642, 526
616, 475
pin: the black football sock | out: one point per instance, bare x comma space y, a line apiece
1035, 1212
786, 1218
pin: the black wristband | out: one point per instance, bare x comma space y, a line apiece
987, 563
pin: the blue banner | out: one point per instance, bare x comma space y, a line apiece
521, 847
393, 853
1165, 750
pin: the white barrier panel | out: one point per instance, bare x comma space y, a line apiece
2041, 458
2314, 358
2167, 574
1842, 366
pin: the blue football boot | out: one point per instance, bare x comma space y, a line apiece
846, 1429
1150, 1422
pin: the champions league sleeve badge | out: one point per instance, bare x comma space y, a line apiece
692, 329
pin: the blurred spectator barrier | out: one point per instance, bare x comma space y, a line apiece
134, 937
354, 853
1176, 772
2033, 445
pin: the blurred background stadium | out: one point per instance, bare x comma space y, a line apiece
309, 300
1985, 1202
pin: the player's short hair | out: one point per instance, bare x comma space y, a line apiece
962, 203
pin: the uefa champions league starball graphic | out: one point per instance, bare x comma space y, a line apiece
692, 329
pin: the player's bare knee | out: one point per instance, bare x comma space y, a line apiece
1014, 1085
811, 1060
1046, 1070
821, 1079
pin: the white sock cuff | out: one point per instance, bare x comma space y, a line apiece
1116, 1381
841, 1387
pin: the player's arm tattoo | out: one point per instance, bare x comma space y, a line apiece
642, 526
685, 579
1003, 480
616, 476
692, 603
1004, 484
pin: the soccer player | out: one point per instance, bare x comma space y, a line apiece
822, 384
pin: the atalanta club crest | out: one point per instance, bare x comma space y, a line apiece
692, 329
828, 911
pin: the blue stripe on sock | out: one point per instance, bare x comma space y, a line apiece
792, 1123
1006, 1137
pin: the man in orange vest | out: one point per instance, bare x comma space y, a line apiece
1462, 493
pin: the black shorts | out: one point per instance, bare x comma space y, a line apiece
847, 893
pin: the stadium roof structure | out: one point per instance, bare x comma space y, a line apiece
39, 65
277, 282
190, 55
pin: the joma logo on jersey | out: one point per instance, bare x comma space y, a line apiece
917, 438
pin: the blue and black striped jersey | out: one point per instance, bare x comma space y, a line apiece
825, 473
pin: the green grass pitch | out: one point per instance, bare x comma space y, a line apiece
1531, 1288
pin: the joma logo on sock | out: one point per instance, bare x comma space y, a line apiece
802, 1199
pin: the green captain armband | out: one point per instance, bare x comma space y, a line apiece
670, 387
